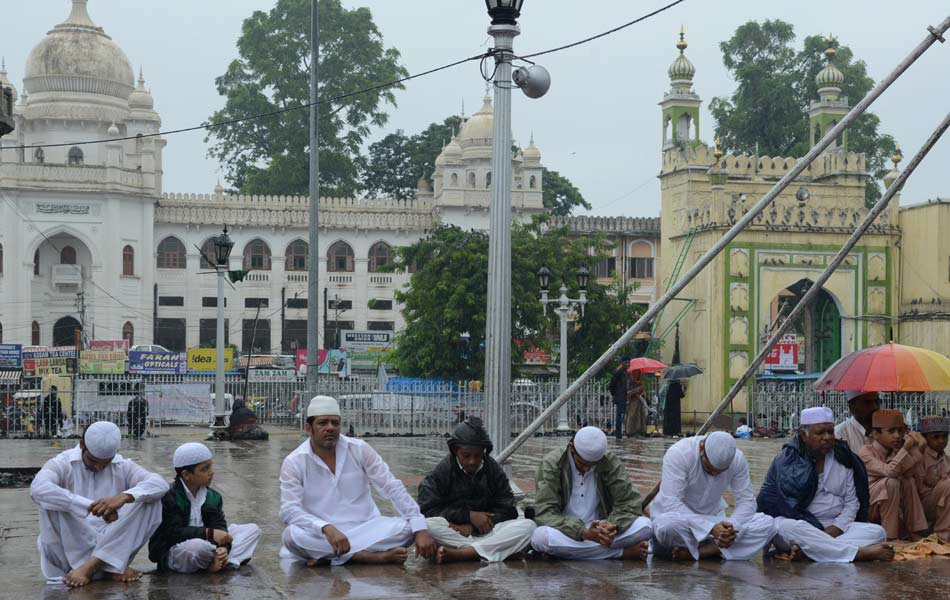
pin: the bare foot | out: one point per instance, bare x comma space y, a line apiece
83, 574
394, 556
796, 554
709, 550
637, 551
128, 576
446, 555
883, 551
315, 563
679, 553
220, 559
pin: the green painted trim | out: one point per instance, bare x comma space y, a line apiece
673, 113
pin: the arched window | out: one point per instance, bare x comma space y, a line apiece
488, 179
839, 139
35, 334
379, 255
257, 256
455, 179
532, 182
297, 253
75, 156
471, 180
128, 333
128, 261
67, 256
640, 261
340, 258
171, 254
39, 156
36, 262
207, 249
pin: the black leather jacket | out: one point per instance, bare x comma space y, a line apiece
450, 493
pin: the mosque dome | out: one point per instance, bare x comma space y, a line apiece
682, 68
532, 153
830, 76
5, 80
440, 159
75, 59
480, 128
140, 97
453, 152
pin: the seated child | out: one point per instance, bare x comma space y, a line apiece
892, 461
194, 535
933, 476
743, 431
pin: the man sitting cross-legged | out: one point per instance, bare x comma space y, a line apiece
326, 504
689, 518
96, 509
194, 535
585, 505
817, 490
469, 504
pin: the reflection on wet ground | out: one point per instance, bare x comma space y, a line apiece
247, 476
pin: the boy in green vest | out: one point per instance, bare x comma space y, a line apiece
194, 535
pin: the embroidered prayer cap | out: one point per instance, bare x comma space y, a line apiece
934, 424
190, 454
102, 439
886, 418
323, 406
720, 449
817, 414
590, 443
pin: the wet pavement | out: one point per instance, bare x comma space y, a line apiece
247, 474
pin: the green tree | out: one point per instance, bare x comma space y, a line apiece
271, 155
559, 194
775, 86
444, 306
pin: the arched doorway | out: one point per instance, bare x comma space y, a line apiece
818, 328
64, 331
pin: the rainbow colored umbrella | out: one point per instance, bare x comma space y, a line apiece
889, 368
645, 365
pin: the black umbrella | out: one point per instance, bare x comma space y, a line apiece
682, 371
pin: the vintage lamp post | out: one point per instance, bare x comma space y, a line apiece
564, 306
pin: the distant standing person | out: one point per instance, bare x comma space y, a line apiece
51, 412
636, 417
618, 390
137, 414
672, 410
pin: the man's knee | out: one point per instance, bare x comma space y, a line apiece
523, 527
541, 539
893, 485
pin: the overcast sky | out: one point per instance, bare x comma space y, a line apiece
599, 125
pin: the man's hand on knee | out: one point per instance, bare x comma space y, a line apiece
104, 506
339, 542
425, 544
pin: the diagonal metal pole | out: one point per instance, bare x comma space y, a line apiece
813, 291
934, 34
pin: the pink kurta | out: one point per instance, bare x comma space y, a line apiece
933, 483
895, 501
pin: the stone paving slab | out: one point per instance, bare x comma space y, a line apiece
247, 476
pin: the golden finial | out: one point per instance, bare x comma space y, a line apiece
897, 156
718, 150
830, 51
682, 43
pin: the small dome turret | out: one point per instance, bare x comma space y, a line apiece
830, 76
682, 69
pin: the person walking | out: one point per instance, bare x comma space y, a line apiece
672, 410
618, 391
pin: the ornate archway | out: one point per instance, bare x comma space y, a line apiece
64, 331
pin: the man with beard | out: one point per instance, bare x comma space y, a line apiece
856, 431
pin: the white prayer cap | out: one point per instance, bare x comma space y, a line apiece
102, 439
323, 406
189, 454
817, 414
590, 443
720, 449
852, 394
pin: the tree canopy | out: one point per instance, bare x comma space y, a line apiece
775, 86
444, 305
271, 155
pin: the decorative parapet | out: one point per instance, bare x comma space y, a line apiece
745, 166
74, 178
591, 224
293, 211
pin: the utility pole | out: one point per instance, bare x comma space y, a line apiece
313, 290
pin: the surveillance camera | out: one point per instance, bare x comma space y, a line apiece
534, 81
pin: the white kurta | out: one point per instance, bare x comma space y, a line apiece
311, 497
690, 503
196, 555
64, 488
835, 503
853, 433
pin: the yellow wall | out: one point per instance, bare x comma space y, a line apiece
925, 276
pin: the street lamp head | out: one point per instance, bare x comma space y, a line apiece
544, 275
583, 276
504, 12
222, 247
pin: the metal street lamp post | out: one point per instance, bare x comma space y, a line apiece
564, 305
222, 253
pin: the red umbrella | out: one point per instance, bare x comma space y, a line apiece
888, 368
644, 364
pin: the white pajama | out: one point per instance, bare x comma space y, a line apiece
376, 535
196, 554
690, 504
552, 541
821, 547
505, 539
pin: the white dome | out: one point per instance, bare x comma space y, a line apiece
77, 56
480, 128
532, 153
453, 152
141, 97
4, 79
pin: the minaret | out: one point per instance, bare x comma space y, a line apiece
681, 104
831, 106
